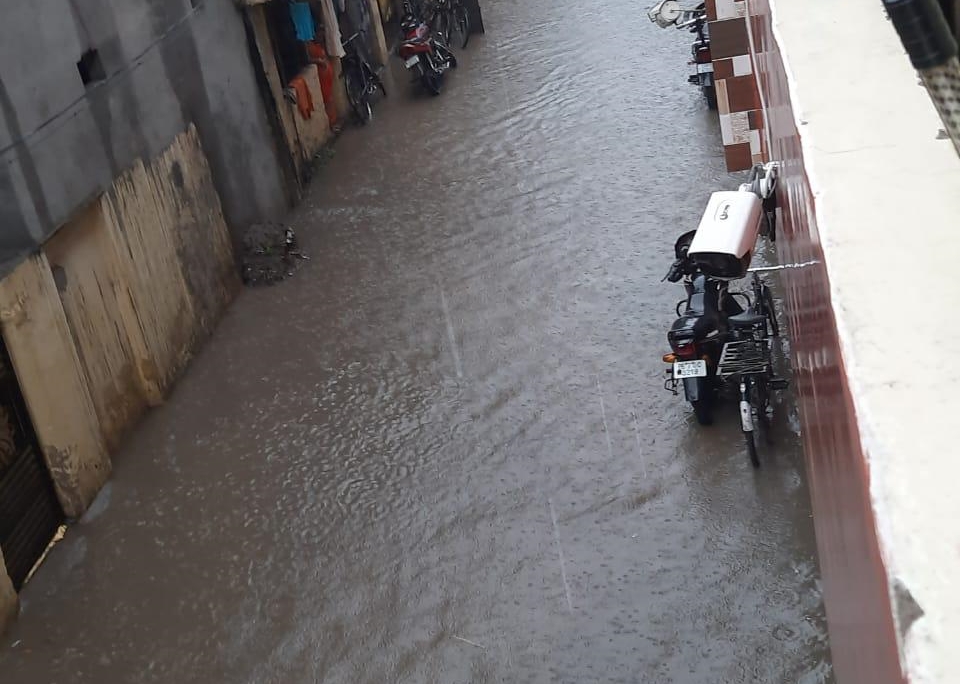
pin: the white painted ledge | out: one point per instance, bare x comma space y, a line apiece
887, 193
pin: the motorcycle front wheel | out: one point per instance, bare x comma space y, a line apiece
429, 77
446, 54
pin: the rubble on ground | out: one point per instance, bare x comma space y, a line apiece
270, 254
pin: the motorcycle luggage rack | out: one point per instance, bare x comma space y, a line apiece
743, 357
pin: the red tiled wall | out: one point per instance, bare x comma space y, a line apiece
737, 100
862, 632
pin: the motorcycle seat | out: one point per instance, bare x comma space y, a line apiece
746, 320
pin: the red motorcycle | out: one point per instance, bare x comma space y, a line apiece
425, 52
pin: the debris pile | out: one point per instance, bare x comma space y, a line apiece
270, 254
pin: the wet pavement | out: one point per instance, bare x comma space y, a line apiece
442, 451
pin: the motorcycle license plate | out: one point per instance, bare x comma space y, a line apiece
705, 68
689, 369
411, 62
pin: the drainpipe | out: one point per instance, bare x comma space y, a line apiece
926, 36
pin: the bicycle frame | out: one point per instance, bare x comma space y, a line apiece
360, 79
747, 360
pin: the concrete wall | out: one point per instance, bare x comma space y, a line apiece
167, 219
168, 63
144, 273
93, 294
102, 320
54, 386
303, 137
378, 14
313, 132
869, 196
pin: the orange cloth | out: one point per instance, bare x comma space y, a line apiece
315, 51
318, 56
304, 100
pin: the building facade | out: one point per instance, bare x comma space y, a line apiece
138, 141
867, 192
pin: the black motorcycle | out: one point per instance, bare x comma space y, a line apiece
669, 13
697, 337
702, 59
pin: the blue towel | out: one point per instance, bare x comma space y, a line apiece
303, 20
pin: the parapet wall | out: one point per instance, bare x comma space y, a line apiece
871, 194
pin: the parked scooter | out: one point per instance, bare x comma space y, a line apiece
423, 51
668, 13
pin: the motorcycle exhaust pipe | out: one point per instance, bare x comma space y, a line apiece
932, 49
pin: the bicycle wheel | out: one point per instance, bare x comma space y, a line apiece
441, 24
752, 449
378, 83
770, 311
461, 21
761, 403
374, 82
748, 419
357, 94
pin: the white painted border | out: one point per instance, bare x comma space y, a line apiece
868, 142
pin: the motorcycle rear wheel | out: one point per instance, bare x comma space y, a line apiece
703, 411
710, 95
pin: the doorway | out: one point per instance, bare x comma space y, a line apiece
30, 513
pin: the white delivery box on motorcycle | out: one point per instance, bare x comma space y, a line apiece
723, 244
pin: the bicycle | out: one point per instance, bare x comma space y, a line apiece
453, 16
361, 80
747, 359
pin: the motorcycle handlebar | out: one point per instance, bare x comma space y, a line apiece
675, 273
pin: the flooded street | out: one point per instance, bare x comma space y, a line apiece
442, 451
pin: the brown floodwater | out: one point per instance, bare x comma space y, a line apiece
442, 452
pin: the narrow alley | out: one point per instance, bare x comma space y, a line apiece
441, 452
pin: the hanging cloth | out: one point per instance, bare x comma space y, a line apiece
304, 99
325, 73
303, 20
331, 29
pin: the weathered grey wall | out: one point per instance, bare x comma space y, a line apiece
168, 63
